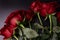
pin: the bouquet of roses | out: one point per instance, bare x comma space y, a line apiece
39, 22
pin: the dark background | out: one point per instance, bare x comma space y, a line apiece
21, 4
7, 6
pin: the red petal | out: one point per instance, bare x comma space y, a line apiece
11, 16
58, 16
6, 33
29, 14
43, 12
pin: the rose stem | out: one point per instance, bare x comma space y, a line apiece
24, 38
15, 37
50, 18
29, 25
30, 28
40, 21
22, 28
39, 18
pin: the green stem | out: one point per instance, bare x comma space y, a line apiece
39, 18
22, 25
15, 37
40, 21
29, 25
50, 18
30, 28
25, 38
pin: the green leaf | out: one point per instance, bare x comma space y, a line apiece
56, 29
37, 25
54, 20
46, 28
15, 37
20, 32
45, 36
29, 33
54, 36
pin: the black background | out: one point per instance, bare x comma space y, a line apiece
19, 3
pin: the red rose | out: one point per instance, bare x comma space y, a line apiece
43, 8
14, 17
6, 32
29, 14
11, 23
43, 12
22, 13
58, 16
36, 6
46, 8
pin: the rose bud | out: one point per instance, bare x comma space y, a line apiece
13, 18
58, 16
29, 14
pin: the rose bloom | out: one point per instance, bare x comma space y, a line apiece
58, 16
35, 6
7, 32
14, 17
43, 8
11, 23
46, 9
29, 14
